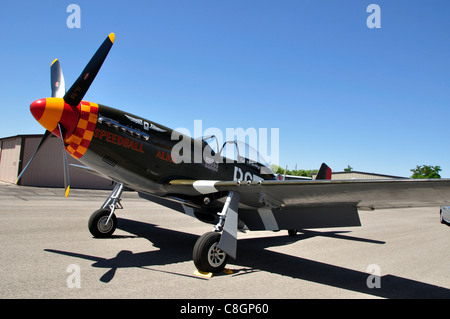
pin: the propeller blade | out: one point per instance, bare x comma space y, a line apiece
66, 165
78, 89
57, 80
44, 138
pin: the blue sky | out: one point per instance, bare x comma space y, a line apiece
339, 92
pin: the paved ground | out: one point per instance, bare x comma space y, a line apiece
47, 252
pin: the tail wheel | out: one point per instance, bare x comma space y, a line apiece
207, 256
98, 226
292, 232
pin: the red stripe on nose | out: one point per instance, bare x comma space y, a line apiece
69, 118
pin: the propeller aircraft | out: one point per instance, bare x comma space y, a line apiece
231, 194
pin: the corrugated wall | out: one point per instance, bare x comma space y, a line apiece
47, 169
358, 175
9, 159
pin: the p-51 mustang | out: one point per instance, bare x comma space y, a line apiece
231, 194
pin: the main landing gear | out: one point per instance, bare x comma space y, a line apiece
212, 250
103, 222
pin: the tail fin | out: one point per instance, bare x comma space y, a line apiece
324, 172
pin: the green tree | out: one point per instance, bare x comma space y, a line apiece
299, 172
303, 172
348, 169
426, 171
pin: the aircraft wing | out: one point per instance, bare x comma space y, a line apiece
363, 194
274, 205
296, 205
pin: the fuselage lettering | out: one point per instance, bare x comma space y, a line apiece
239, 175
165, 156
119, 140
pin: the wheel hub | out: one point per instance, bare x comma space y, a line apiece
103, 226
216, 256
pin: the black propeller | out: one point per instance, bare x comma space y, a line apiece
72, 97
58, 90
79, 88
57, 80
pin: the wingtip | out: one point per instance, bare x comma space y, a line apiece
112, 37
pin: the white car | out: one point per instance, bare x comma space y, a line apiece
445, 215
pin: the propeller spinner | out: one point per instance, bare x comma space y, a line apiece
60, 114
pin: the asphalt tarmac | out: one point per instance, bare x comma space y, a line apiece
47, 252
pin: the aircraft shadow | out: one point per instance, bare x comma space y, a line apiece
175, 246
254, 255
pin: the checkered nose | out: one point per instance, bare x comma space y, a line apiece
78, 123
51, 111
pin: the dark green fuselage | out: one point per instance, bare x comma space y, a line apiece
139, 153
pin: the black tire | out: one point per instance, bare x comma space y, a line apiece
292, 232
207, 256
97, 222
441, 218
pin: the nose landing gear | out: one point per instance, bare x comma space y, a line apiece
103, 222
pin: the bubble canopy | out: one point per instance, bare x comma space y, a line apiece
235, 151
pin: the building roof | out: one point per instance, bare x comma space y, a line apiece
21, 135
362, 175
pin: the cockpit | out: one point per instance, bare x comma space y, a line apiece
233, 152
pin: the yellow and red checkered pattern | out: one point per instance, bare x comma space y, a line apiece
81, 137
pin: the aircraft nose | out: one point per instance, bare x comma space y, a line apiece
51, 111
37, 108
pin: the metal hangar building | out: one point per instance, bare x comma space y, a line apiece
47, 169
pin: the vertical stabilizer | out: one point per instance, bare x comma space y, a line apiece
324, 172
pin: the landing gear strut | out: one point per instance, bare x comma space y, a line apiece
103, 222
